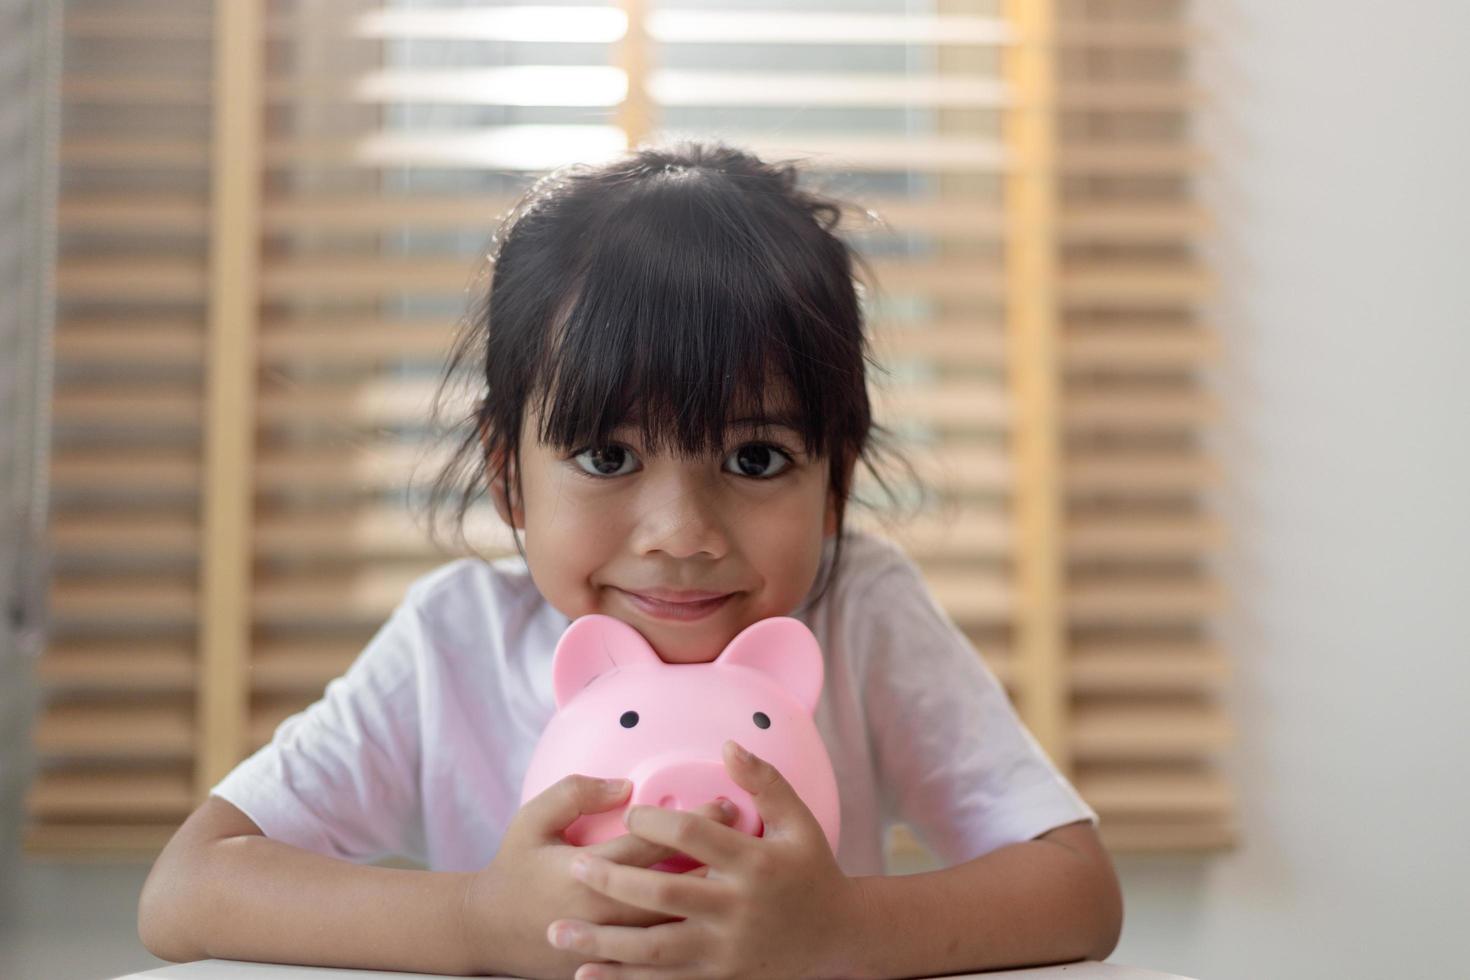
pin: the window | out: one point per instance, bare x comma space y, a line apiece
234, 435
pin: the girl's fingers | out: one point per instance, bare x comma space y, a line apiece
707, 842
669, 946
556, 807
781, 810
674, 895
637, 851
631, 850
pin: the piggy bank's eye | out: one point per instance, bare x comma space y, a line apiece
629, 719
761, 720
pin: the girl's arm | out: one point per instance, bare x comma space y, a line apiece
1049, 900
222, 889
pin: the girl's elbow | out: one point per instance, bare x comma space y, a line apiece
1108, 941
163, 925
175, 904
158, 927
1109, 915
158, 939
1096, 898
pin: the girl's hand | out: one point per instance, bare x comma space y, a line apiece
770, 906
508, 904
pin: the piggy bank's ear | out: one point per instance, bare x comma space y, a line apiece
592, 646
785, 650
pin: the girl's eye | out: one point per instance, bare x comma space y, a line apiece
757, 461
605, 461
753, 459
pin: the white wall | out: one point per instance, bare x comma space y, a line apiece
1343, 135
27, 125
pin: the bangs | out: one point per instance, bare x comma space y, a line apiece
689, 314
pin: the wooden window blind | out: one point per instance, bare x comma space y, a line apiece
272, 216
116, 740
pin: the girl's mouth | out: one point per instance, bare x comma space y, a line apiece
684, 611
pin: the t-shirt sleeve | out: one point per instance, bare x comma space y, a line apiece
958, 765
341, 777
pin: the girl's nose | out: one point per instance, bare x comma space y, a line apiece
681, 518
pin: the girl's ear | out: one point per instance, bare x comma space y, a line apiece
829, 517
500, 473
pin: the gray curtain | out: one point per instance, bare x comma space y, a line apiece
29, 46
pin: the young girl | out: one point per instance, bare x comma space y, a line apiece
671, 365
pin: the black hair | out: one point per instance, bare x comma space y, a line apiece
664, 290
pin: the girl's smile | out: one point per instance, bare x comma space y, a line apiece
693, 607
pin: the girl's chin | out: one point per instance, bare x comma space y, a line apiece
685, 643
681, 640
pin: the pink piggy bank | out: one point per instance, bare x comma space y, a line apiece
624, 713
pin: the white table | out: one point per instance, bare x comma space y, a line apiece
235, 970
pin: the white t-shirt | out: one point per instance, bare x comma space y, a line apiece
419, 750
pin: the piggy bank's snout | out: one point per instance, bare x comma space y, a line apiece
690, 784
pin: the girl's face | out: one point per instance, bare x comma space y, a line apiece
607, 524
